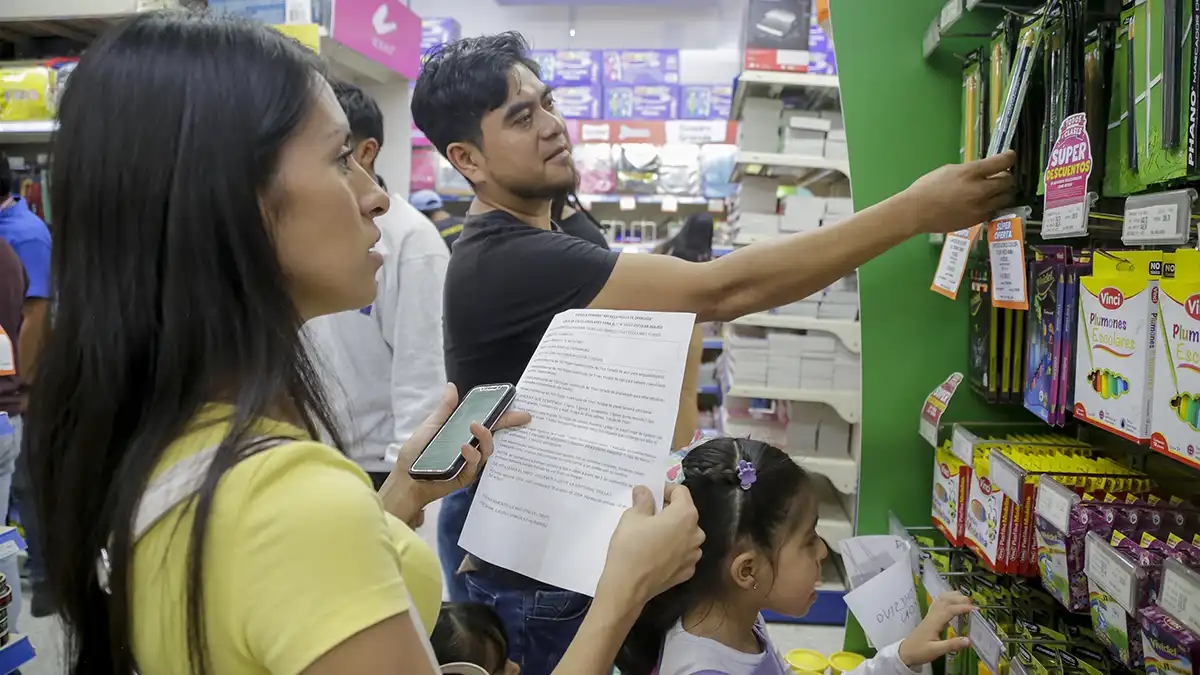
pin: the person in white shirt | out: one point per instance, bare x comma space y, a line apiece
383, 365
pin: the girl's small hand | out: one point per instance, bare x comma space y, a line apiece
926, 644
404, 496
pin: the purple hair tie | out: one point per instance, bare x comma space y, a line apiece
746, 473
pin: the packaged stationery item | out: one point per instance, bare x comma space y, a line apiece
951, 491
1169, 647
580, 102
981, 368
637, 167
716, 167
1097, 75
1121, 175
990, 512
706, 102
594, 164
26, 94
1117, 328
641, 102
973, 108
641, 66
679, 173
1175, 422
1045, 328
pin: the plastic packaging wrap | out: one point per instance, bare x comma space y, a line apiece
594, 164
716, 166
637, 167
680, 170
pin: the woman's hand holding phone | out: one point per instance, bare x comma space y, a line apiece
404, 497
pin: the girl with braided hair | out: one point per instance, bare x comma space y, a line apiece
758, 510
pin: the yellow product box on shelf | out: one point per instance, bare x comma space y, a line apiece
1175, 422
951, 487
1114, 372
25, 94
989, 515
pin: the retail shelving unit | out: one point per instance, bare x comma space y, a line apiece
823, 175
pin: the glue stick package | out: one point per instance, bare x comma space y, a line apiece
951, 488
1114, 372
1175, 422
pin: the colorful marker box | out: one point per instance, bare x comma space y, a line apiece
1114, 373
1175, 423
951, 489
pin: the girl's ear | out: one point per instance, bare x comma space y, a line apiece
745, 568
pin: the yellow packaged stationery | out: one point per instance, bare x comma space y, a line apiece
1114, 373
1175, 421
25, 94
989, 514
951, 487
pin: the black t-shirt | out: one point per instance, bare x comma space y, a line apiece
579, 225
505, 283
450, 228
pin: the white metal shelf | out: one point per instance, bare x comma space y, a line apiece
842, 472
846, 403
759, 83
849, 332
784, 166
833, 524
27, 132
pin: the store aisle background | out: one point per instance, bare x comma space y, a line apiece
47, 636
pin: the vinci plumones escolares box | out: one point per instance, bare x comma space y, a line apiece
1114, 371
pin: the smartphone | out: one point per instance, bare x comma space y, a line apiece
442, 459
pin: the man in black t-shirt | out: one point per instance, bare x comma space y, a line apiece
481, 103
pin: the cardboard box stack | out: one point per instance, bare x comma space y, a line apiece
768, 126
810, 360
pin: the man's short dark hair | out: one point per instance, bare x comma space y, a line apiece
464, 80
366, 121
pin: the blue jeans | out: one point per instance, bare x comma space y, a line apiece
451, 518
540, 622
10, 448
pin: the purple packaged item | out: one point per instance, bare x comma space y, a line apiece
641, 102
567, 67
438, 31
579, 103
706, 102
1169, 646
641, 66
821, 59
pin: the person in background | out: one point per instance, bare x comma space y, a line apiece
207, 203
469, 632
29, 237
693, 242
430, 203
13, 287
482, 104
383, 364
762, 552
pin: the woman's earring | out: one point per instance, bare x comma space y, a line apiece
754, 587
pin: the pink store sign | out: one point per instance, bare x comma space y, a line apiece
385, 31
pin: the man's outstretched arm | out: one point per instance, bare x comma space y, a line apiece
791, 268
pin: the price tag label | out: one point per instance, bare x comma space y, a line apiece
933, 35
8, 548
1015, 667
1065, 221
1068, 169
950, 13
1108, 570
953, 262
935, 406
716, 206
962, 445
1007, 476
670, 204
628, 203
1151, 223
985, 641
1180, 595
1006, 252
1054, 502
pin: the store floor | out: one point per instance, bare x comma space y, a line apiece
47, 637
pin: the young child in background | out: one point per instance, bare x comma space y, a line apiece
468, 632
758, 510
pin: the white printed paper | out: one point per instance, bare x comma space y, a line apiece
953, 263
884, 595
603, 388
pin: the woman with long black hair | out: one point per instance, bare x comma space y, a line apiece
206, 204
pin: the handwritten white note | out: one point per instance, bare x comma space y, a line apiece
603, 388
884, 595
